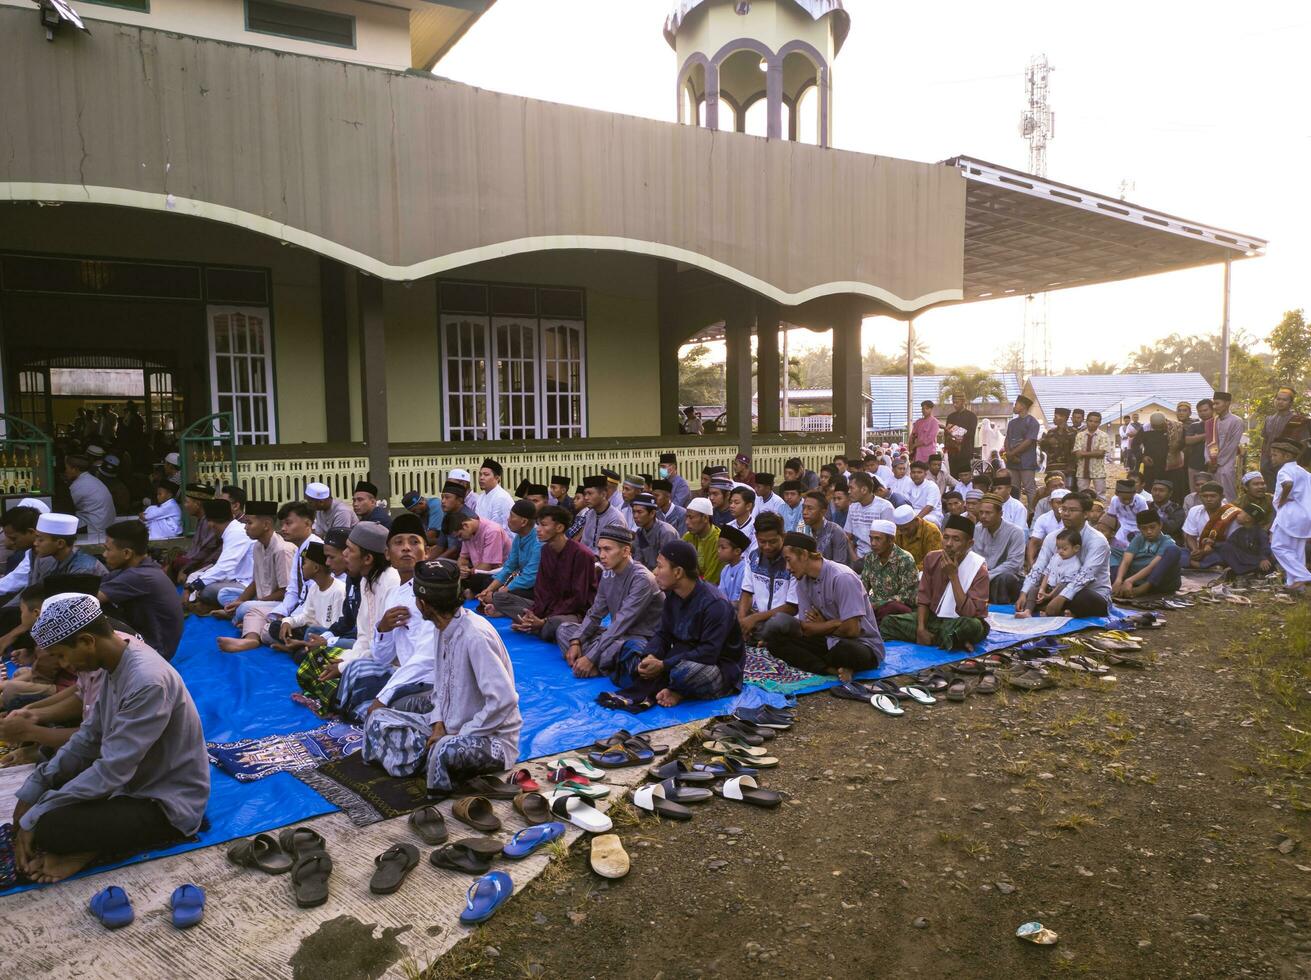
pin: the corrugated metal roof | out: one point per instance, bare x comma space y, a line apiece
1106, 393
888, 396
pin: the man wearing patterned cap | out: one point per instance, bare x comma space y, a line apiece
135, 776
328, 513
628, 595
630, 488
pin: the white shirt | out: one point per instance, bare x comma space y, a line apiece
884, 475
1044, 525
411, 646
756, 583
924, 495
749, 529
1294, 516
773, 505
861, 516
901, 485
495, 504
1127, 515
163, 520
320, 608
1013, 511
1196, 520
236, 560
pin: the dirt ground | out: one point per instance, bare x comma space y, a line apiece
1159, 824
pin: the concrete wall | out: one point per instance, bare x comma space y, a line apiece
382, 32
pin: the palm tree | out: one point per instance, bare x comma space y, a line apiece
974, 385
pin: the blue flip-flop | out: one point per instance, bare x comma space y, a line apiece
530, 839
112, 907
487, 894
188, 904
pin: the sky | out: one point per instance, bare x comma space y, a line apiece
1201, 106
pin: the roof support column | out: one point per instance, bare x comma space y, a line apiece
767, 366
774, 98
712, 96
847, 410
336, 372
373, 382
669, 344
1224, 329
737, 374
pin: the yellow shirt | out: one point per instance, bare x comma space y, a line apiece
707, 553
920, 541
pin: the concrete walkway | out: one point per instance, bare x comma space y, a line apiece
252, 927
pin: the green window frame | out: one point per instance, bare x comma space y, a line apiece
289, 20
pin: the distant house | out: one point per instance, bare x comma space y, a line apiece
888, 399
1115, 395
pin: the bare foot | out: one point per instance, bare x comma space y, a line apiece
969, 647
846, 675
57, 867
668, 698
235, 644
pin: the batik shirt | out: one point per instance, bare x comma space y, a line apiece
897, 580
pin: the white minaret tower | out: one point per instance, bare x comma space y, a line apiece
733, 54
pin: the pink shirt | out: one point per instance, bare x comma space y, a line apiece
489, 546
925, 432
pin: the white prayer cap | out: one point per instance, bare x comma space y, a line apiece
1060, 493
700, 505
61, 524
975, 494
172, 459
63, 615
317, 491
903, 515
1250, 476
459, 475
882, 527
38, 505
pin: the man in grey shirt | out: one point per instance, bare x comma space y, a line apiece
834, 631
653, 533
1089, 591
1223, 453
134, 776
830, 539
601, 512
328, 512
629, 595
1002, 546
92, 501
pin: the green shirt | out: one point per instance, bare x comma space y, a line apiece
707, 553
1144, 551
895, 581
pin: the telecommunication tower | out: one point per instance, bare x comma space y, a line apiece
1038, 126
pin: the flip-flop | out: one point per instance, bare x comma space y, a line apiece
477, 812
725, 766
766, 716
299, 841
487, 894
429, 824
968, 666
112, 907
563, 774
580, 766
677, 793
487, 847
747, 790
455, 857
524, 780
532, 807
736, 734
531, 838
491, 787
187, 905
618, 738
593, 791
262, 852
732, 747
680, 772
749, 728
580, 811
631, 753
651, 798
608, 858
392, 866
309, 879
918, 694
851, 691
881, 702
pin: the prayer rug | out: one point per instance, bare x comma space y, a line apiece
254, 758
8, 864
365, 792
762, 669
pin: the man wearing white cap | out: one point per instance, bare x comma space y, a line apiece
54, 552
135, 776
916, 535
328, 513
470, 494
92, 502
172, 465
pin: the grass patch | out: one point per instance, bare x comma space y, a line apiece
1278, 671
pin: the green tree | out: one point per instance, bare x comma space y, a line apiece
1099, 367
973, 385
1290, 341
816, 367
700, 381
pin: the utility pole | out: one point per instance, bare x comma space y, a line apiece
1038, 127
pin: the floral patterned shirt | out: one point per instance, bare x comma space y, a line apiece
897, 580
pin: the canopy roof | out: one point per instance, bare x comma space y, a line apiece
816, 9
1027, 234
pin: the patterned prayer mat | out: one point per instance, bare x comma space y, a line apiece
764, 670
255, 758
365, 792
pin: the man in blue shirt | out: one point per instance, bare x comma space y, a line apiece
1022, 448
679, 491
427, 509
510, 592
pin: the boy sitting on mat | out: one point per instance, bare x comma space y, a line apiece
474, 724
134, 776
951, 609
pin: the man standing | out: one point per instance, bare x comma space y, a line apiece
951, 605
1088, 592
1223, 452
1274, 429
830, 539
959, 436
679, 492
1002, 546
494, 502
834, 631
364, 503
1058, 444
1021, 448
1152, 448
328, 513
1196, 433
628, 597
1292, 527
924, 434
1090, 449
